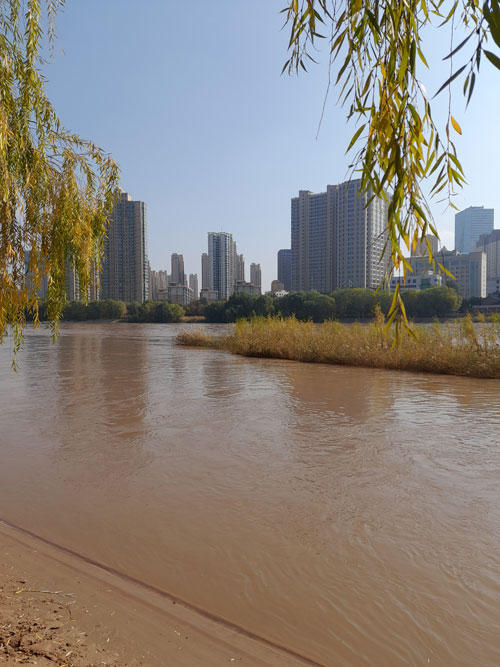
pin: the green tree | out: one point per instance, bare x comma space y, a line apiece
75, 311
242, 305
263, 305
215, 312
410, 300
306, 306
438, 301
375, 51
239, 305
133, 310
166, 312
320, 308
57, 189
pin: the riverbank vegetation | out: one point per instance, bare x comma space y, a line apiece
457, 348
108, 309
154, 311
353, 303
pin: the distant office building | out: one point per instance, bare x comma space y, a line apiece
422, 248
161, 294
125, 268
469, 271
177, 274
490, 244
221, 263
493, 285
256, 275
193, 284
416, 281
204, 271
179, 294
209, 294
158, 281
285, 267
248, 288
338, 239
470, 224
277, 286
240, 268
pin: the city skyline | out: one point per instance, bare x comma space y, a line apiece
237, 150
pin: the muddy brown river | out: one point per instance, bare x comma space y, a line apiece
351, 515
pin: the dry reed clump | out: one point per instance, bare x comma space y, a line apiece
459, 348
200, 339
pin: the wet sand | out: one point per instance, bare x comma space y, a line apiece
56, 609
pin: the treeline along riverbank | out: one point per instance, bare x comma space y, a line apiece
351, 303
345, 304
108, 309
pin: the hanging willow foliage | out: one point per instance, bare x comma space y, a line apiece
56, 189
376, 47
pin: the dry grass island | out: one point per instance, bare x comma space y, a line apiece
460, 347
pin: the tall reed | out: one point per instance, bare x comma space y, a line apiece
457, 348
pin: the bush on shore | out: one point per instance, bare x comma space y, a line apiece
458, 348
239, 305
107, 309
306, 306
155, 311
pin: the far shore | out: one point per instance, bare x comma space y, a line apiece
199, 319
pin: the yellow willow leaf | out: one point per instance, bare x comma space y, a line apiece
456, 126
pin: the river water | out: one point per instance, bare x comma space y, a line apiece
351, 515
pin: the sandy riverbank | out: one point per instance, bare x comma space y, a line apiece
55, 609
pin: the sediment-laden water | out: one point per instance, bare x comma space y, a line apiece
351, 515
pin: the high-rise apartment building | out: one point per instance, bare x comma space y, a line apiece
204, 271
338, 239
221, 263
240, 268
177, 269
470, 224
125, 267
193, 284
285, 268
490, 244
256, 275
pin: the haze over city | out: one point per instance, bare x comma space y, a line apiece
190, 101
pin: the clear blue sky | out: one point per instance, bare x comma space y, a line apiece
188, 98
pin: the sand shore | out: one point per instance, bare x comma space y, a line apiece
55, 609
